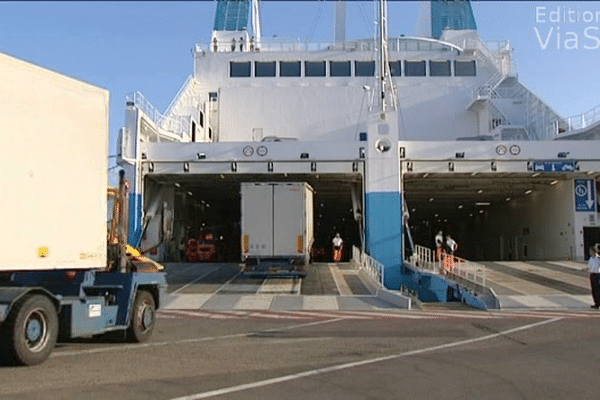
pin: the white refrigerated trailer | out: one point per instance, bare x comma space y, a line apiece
63, 270
277, 227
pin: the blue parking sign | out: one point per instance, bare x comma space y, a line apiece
585, 195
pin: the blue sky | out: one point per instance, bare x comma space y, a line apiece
146, 46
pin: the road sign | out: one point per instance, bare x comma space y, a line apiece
585, 195
553, 166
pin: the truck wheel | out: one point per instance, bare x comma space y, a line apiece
32, 330
142, 317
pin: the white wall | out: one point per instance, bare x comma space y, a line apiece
543, 222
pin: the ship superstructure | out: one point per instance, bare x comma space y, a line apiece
365, 123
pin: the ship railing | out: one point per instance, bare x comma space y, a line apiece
404, 43
448, 264
178, 125
583, 120
373, 267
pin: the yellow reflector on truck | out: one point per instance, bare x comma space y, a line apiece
42, 252
245, 241
299, 243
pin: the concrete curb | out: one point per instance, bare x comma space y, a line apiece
389, 296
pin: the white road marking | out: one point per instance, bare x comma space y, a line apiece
340, 282
319, 371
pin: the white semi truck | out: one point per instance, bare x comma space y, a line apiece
277, 228
63, 270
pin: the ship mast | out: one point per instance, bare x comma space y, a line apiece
385, 83
256, 21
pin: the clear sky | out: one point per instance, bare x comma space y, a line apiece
146, 46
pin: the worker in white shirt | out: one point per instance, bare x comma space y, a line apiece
594, 270
439, 245
451, 244
337, 247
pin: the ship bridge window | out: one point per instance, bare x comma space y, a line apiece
289, 68
239, 69
339, 68
364, 68
314, 68
464, 68
439, 68
396, 68
264, 69
414, 68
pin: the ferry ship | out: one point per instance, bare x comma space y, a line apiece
400, 137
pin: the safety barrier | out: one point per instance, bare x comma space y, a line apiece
373, 267
178, 125
584, 120
448, 264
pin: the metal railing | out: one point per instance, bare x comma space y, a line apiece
178, 125
583, 120
373, 267
448, 264
405, 43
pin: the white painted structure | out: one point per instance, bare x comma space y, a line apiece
312, 111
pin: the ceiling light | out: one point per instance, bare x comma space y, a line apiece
177, 185
535, 175
482, 203
553, 182
507, 199
425, 175
528, 191
480, 191
460, 206
190, 193
431, 199
481, 211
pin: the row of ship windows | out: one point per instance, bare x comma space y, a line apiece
262, 69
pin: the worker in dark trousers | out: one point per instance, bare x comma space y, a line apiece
594, 270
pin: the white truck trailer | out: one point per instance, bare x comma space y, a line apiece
277, 228
63, 270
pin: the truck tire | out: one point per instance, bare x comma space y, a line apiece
31, 330
143, 317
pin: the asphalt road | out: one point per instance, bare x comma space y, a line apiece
428, 354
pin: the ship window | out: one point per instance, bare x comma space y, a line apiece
364, 68
396, 68
339, 68
439, 68
414, 68
201, 119
289, 68
264, 69
239, 69
464, 68
314, 68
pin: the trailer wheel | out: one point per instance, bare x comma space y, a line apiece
142, 317
32, 330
